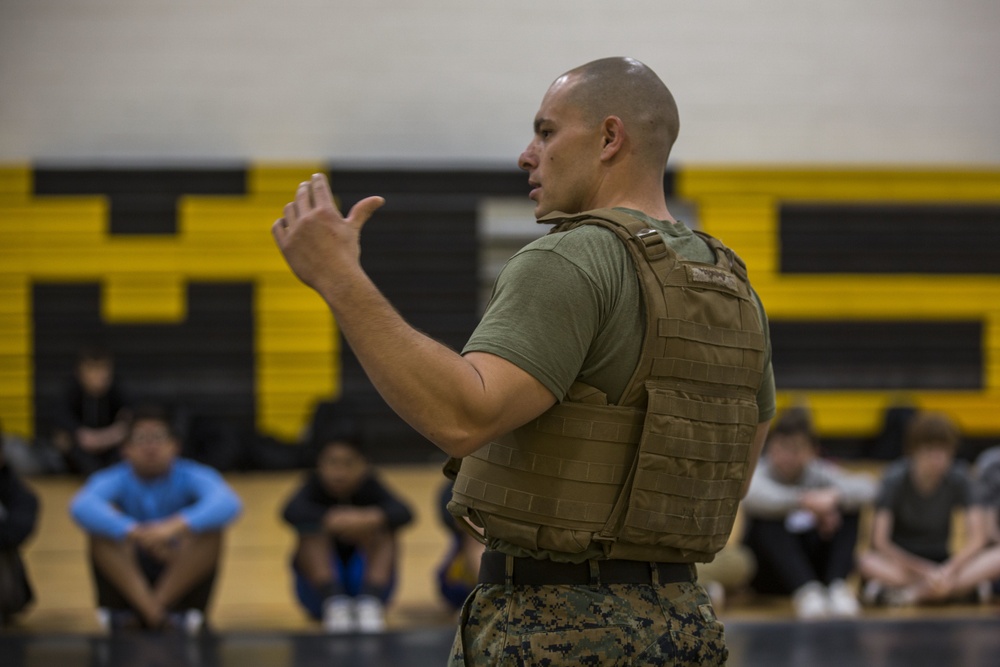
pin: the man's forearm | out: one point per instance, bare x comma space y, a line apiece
457, 403
432, 387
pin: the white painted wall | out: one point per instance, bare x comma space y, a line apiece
458, 81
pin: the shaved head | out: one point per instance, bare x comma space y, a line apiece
630, 90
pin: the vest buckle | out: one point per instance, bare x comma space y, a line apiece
653, 245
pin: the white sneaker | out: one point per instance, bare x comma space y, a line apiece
338, 615
810, 601
984, 592
841, 600
901, 597
717, 594
873, 593
193, 622
369, 614
103, 619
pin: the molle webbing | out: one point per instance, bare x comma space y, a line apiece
570, 465
659, 477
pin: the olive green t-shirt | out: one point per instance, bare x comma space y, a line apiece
568, 307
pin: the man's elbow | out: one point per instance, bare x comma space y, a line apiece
459, 443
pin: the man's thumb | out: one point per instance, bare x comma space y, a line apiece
364, 209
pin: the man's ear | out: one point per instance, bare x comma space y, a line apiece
613, 136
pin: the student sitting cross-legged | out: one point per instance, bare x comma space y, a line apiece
154, 523
345, 553
910, 560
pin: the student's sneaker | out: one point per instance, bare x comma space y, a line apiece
901, 597
190, 622
841, 601
369, 614
984, 592
116, 620
717, 594
103, 619
873, 593
810, 601
338, 615
193, 622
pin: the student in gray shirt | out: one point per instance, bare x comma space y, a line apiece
909, 560
802, 521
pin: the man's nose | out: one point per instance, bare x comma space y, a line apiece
526, 160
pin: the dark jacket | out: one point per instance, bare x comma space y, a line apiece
306, 508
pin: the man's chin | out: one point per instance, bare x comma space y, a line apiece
541, 210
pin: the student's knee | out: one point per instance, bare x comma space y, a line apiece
211, 539
382, 541
204, 545
867, 563
99, 546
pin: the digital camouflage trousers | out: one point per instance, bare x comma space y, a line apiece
619, 624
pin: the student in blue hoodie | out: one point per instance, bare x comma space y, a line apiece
154, 523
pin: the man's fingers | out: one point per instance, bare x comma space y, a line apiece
302, 199
279, 229
321, 194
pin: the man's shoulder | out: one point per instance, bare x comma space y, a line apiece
569, 240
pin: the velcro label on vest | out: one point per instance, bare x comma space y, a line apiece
711, 275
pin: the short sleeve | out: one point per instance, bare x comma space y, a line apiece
541, 318
889, 488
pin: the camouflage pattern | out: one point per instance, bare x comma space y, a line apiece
620, 624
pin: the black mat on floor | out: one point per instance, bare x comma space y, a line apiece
954, 642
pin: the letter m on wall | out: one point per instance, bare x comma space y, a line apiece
177, 272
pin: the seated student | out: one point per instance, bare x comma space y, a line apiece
458, 573
91, 419
802, 521
154, 524
909, 559
345, 554
18, 516
982, 572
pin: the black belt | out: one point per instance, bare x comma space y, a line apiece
493, 569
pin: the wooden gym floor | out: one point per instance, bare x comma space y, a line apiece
257, 622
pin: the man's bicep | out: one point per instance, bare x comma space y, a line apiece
512, 396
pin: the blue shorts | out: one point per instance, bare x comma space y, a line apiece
455, 582
351, 575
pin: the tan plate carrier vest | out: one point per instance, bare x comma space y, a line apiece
658, 477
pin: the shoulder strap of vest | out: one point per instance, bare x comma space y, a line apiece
643, 242
647, 248
724, 256
636, 233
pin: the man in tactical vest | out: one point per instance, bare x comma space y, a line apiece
606, 415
